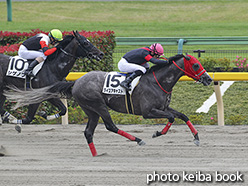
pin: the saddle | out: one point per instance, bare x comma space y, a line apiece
112, 86
112, 83
18, 65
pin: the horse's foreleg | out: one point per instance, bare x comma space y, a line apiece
188, 122
194, 132
156, 113
164, 131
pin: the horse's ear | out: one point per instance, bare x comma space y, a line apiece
187, 58
74, 33
77, 35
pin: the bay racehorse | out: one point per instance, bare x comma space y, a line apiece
55, 68
150, 98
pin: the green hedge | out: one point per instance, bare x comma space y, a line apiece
211, 64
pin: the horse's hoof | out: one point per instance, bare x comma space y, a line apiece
156, 134
141, 143
2, 151
103, 154
196, 142
18, 128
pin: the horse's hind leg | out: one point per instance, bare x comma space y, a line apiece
57, 103
188, 122
113, 128
2, 111
5, 115
31, 112
90, 129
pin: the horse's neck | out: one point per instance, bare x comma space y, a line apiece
65, 61
168, 76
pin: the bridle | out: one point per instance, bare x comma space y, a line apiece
88, 54
197, 77
68, 54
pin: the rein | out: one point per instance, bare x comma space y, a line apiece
71, 55
160, 85
68, 54
196, 77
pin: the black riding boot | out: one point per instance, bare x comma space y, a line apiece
29, 70
126, 83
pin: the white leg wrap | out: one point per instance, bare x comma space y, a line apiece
51, 117
11, 118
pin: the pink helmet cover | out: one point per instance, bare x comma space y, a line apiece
157, 48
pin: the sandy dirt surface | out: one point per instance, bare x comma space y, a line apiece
57, 155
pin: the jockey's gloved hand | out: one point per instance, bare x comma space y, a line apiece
58, 47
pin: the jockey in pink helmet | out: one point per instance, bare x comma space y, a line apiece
157, 49
136, 62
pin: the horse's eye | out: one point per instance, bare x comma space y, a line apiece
196, 66
86, 43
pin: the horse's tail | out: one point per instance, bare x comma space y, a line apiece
64, 88
33, 96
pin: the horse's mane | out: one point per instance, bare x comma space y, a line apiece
66, 40
157, 67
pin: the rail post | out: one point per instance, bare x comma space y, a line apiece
220, 105
9, 10
65, 117
180, 45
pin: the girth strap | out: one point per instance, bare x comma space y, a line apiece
129, 104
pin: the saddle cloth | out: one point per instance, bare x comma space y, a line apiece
112, 83
18, 65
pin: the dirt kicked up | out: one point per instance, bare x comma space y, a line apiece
57, 155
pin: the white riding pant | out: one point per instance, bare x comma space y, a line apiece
124, 66
30, 54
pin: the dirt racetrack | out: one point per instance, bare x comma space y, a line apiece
57, 155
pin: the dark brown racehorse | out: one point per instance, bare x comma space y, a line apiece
55, 68
151, 97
